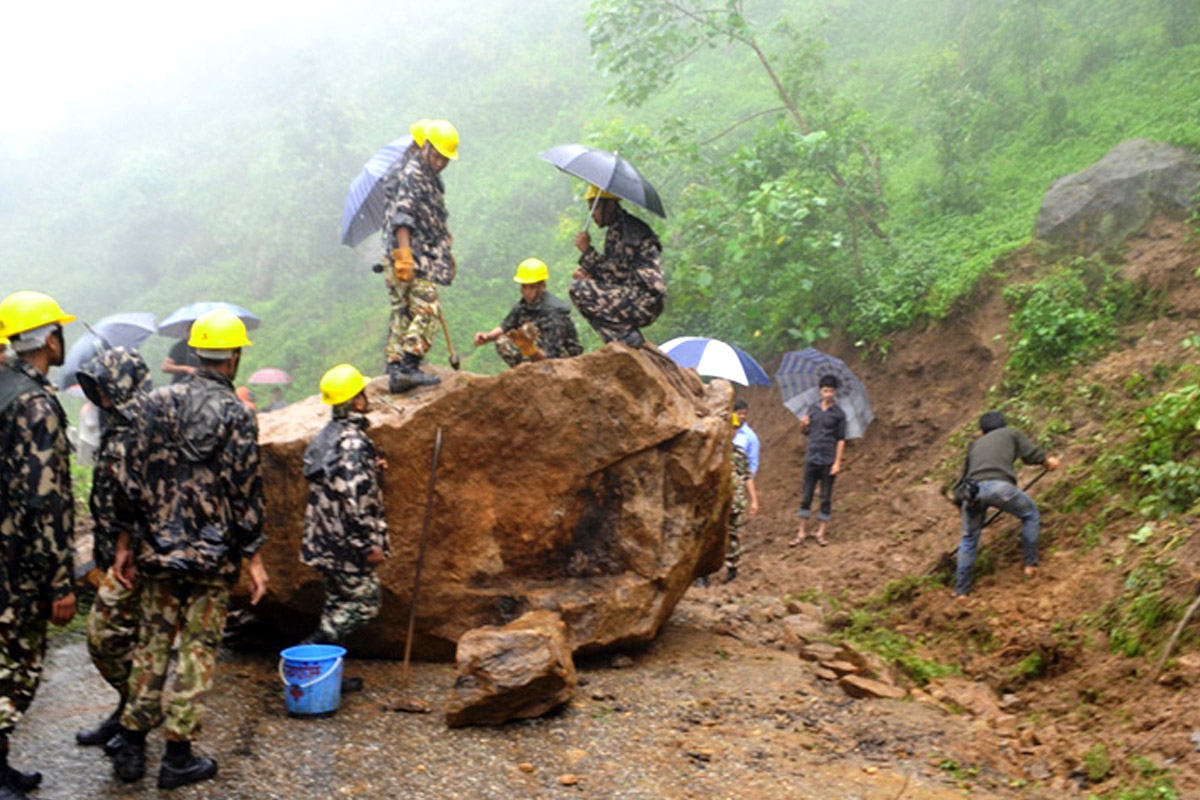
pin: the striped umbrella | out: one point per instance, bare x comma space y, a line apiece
716, 359
362, 213
798, 378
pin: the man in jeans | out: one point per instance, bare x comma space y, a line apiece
825, 424
990, 462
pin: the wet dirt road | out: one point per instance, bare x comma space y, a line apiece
695, 715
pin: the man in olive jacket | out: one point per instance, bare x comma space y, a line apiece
991, 463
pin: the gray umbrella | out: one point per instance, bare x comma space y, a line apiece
607, 170
118, 330
799, 377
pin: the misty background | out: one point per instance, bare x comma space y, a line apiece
152, 156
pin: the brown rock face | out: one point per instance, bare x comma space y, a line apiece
519, 671
596, 487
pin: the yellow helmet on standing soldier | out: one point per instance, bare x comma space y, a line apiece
24, 311
444, 138
219, 329
342, 383
419, 131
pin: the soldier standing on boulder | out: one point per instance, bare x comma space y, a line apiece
115, 380
37, 520
417, 246
199, 490
621, 291
539, 325
345, 529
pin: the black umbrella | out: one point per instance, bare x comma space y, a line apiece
118, 330
607, 170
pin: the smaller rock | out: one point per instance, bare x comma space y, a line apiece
621, 661
841, 667
568, 779
820, 651
860, 687
1005, 725
825, 674
525, 766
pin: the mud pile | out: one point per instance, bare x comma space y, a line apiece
596, 487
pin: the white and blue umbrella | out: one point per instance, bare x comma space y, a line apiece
799, 378
179, 323
716, 359
362, 213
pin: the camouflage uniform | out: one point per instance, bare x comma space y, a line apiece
419, 204
112, 623
35, 527
195, 479
624, 289
547, 322
738, 517
344, 522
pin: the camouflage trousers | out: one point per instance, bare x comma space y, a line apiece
171, 605
510, 353
112, 631
22, 648
739, 514
414, 318
615, 309
352, 599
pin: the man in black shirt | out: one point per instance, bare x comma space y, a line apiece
990, 461
825, 424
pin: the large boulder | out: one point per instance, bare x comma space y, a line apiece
1115, 197
596, 487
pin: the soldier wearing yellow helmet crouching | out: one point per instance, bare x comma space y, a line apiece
345, 528
36, 518
199, 491
416, 243
539, 325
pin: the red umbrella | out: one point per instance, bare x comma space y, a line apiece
270, 375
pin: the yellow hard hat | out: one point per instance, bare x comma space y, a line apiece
219, 329
531, 270
419, 131
594, 190
444, 138
342, 383
24, 311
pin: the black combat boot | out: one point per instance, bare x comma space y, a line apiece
351, 685
180, 767
395, 383
106, 730
14, 784
410, 375
129, 763
632, 339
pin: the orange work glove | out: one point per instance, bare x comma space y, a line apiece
403, 264
525, 338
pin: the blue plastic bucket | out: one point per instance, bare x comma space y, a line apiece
312, 678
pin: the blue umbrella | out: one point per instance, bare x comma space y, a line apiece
799, 377
117, 330
179, 324
716, 359
362, 213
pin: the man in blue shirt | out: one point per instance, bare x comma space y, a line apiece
745, 497
825, 424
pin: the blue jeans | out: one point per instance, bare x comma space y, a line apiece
1006, 497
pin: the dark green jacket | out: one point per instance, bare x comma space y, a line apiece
992, 457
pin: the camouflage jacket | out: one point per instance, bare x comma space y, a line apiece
37, 516
552, 317
419, 204
195, 480
122, 376
391, 180
345, 518
632, 255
